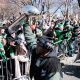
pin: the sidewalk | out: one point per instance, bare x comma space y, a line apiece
70, 61
71, 69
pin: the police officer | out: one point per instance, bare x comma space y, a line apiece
44, 62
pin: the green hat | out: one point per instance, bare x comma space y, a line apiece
60, 25
23, 22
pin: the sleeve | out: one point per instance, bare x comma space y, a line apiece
1, 46
30, 38
52, 68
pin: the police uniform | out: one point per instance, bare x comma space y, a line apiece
42, 67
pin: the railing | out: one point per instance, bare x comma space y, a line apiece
7, 70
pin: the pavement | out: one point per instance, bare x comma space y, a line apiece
71, 69
71, 72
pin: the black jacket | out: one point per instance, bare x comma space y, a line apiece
42, 68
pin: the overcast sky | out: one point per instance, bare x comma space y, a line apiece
56, 5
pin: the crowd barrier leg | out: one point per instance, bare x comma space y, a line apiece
6, 71
22, 68
11, 69
2, 75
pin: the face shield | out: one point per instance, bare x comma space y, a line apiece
45, 42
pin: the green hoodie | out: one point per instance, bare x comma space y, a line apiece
59, 36
2, 54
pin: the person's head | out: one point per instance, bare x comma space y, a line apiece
33, 21
4, 41
12, 33
43, 45
19, 41
11, 41
2, 31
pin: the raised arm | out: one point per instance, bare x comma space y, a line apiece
29, 37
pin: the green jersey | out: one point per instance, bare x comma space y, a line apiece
2, 53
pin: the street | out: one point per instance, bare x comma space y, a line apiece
71, 71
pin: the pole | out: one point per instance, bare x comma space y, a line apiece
67, 9
58, 8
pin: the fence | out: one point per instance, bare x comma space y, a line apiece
7, 70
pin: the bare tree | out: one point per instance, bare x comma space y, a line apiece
12, 8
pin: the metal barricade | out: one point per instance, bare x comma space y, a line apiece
6, 71
1, 70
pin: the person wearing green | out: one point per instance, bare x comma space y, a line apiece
58, 32
72, 43
12, 51
60, 37
71, 33
2, 51
10, 47
69, 42
3, 33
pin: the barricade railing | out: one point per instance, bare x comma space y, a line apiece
8, 73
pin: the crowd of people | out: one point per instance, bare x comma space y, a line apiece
39, 45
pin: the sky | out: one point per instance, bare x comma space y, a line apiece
55, 6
